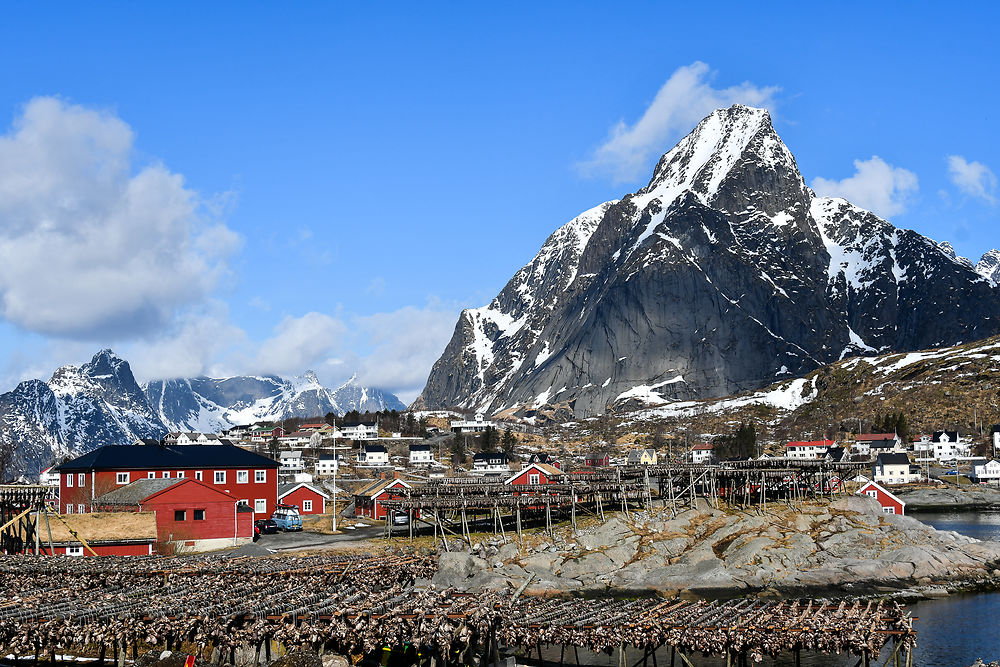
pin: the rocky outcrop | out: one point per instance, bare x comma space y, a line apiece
847, 545
724, 274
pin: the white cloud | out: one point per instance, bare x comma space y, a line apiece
679, 105
973, 178
875, 185
91, 244
300, 343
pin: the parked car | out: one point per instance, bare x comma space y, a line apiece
266, 526
951, 472
287, 517
401, 519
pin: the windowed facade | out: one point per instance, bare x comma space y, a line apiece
259, 476
81, 479
180, 474
198, 515
260, 505
80, 508
307, 506
74, 551
197, 475
220, 476
122, 478
69, 480
69, 509
180, 515
533, 478
242, 476
150, 475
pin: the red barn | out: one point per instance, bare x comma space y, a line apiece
890, 503
535, 473
247, 477
190, 515
306, 497
368, 501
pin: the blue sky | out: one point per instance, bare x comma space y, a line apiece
251, 188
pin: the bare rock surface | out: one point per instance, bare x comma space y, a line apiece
847, 545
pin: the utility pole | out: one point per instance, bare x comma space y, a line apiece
336, 465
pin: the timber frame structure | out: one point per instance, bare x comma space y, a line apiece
453, 505
22, 512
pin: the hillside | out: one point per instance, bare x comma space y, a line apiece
954, 387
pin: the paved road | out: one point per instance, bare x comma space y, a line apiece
304, 540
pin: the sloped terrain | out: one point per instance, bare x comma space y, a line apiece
722, 275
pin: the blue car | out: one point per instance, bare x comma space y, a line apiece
951, 472
287, 517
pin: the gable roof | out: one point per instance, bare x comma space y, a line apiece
809, 443
136, 492
892, 458
372, 490
488, 457
541, 457
952, 435
874, 436
544, 468
135, 457
420, 448
374, 449
285, 489
881, 488
703, 447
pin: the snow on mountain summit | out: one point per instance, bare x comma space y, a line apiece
722, 272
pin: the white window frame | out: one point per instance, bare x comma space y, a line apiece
74, 551
534, 478
150, 475
81, 479
260, 505
69, 508
80, 508
307, 506
180, 474
242, 476
122, 477
197, 475
69, 481
216, 479
259, 476
872, 492
165, 474
888, 510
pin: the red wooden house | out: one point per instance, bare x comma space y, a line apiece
890, 503
190, 515
106, 535
597, 459
306, 497
249, 478
535, 473
368, 502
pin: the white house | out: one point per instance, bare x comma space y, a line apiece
808, 450
864, 443
893, 468
48, 478
421, 455
476, 425
942, 446
358, 430
327, 464
490, 463
985, 472
703, 453
373, 455
291, 462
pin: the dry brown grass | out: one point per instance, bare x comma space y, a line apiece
103, 526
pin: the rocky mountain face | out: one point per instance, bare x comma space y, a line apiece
100, 403
213, 404
79, 409
724, 274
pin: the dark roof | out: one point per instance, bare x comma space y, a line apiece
952, 435
598, 454
152, 442
882, 444
895, 458
134, 457
488, 457
836, 454
420, 448
136, 492
375, 449
541, 457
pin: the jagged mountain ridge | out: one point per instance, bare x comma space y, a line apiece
100, 403
722, 275
213, 404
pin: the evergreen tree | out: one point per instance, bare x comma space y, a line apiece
489, 439
508, 443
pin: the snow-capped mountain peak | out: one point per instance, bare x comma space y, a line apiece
989, 266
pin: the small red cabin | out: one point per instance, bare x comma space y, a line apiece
535, 473
890, 503
306, 497
368, 501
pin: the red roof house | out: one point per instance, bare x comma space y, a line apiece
306, 497
890, 503
190, 515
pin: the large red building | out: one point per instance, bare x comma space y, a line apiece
248, 478
190, 515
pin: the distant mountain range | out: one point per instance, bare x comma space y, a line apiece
100, 403
724, 274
